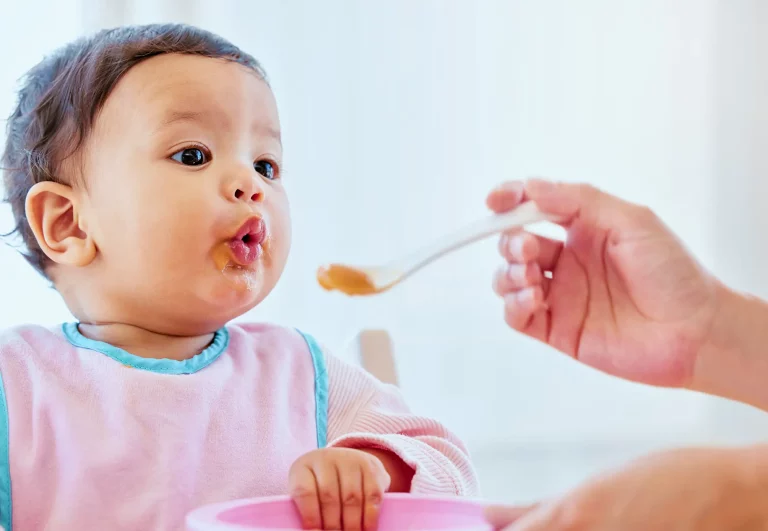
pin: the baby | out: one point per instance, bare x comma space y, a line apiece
144, 167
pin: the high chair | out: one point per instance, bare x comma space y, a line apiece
374, 351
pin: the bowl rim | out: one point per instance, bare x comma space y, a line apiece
206, 514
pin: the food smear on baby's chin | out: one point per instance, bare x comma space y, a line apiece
345, 279
240, 277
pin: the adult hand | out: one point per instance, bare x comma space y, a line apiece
683, 490
621, 294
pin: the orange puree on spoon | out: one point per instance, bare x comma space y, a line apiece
345, 279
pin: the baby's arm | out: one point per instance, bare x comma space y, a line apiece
365, 414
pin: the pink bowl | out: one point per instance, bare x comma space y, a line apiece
399, 512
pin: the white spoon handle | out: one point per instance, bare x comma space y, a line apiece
523, 215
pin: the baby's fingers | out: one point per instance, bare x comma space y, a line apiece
352, 497
329, 494
303, 489
375, 483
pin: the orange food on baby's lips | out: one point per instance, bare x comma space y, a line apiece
345, 279
222, 256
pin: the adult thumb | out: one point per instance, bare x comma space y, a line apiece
500, 516
586, 203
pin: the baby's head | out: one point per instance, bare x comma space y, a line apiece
143, 169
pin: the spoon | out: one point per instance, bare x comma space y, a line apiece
377, 279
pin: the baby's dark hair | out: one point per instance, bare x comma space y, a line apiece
60, 98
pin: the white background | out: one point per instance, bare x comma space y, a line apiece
399, 116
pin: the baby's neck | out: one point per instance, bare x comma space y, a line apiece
146, 343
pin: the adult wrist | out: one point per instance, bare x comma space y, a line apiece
733, 362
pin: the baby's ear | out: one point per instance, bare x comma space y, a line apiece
52, 214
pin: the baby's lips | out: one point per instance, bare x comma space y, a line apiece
245, 246
245, 253
254, 227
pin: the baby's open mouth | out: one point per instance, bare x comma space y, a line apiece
246, 245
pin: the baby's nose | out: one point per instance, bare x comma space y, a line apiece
247, 187
243, 195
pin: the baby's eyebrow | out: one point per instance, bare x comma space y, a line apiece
176, 116
273, 133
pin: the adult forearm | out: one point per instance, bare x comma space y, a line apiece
734, 362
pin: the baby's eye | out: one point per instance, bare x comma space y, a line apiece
191, 157
265, 168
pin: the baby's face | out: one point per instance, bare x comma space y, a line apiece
184, 195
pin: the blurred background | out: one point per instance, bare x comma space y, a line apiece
399, 116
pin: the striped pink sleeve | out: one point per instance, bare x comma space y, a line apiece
365, 413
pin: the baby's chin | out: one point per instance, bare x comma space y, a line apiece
236, 290
244, 281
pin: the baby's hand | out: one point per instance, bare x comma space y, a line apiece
338, 489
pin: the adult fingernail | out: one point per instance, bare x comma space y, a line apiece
526, 295
515, 247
